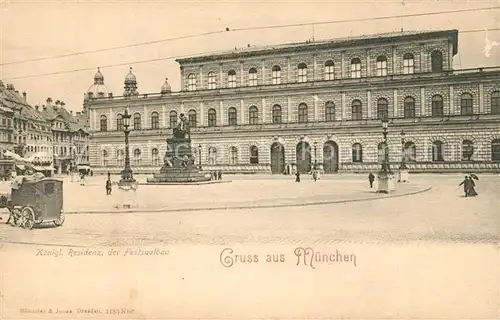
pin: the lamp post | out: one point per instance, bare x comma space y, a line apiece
315, 156
199, 156
385, 176
126, 175
403, 168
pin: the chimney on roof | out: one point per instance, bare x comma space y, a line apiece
63, 104
71, 112
25, 96
17, 91
44, 108
49, 102
37, 108
110, 95
78, 114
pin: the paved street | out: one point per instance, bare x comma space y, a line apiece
441, 214
425, 256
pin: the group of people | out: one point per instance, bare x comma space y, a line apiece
469, 185
314, 173
216, 175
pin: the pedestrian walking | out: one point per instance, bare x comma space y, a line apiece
219, 174
108, 184
371, 178
466, 185
315, 175
297, 176
82, 179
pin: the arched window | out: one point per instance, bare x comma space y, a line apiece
254, 155
381, 152
381, 66
276, 113
409, 107
232, 116
302, 72
212, 80
467, 150
120, 158
276, 75
252, 77
192, 118
437, 106
212, 156
137, 157
382, 109
408, 64
495, 150
155, 120
437, 151
104, 158
329, 70
495, 102
191, 82
119, 122
253, 115
173, 119
357, 152
303, 117
356, 110
155, 157
103, 123
436, 61
212, 118
329, 111
233, 155
137, 121
231, 79
466, 108
355, 68
410, 152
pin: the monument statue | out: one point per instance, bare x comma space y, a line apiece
179, 165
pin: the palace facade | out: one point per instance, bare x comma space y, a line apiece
287, 107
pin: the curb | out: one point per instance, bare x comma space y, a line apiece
236, 207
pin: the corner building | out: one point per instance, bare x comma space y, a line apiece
284, 108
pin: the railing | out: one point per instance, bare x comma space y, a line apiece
442, 166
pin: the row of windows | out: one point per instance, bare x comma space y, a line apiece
410, 153
329, 71
466, 108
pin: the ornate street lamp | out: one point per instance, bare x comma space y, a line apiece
199, 156
385, 176
126, 174
315, 156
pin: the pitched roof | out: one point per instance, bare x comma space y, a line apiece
324, 44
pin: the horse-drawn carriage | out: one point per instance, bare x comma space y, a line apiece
35, 202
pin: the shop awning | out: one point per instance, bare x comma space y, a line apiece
43, 168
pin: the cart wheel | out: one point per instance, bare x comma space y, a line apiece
17, 219
28, 218
60, 220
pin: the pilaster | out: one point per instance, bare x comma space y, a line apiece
242, 111
264, 118
368, 68
289, 113
369, 101
394, 60
481, 98
202, 115
221, 110
395, 105
452, 101
344, 107
422, 101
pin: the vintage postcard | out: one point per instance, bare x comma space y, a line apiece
249, 159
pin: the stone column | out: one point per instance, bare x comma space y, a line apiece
221, 77
344, 107
242, 77
315, 107
264, 115
342, 65
452, 101
395, 106
221, 117
288, 70
163, 116
201, 86
394, 60
481, 98
315, 66
422, 101
202, 115
369, 101
242, 111
368, 66
182, 107
110, 128
450, 56
263, 73
145, 121
183, 85
289, 111
422, 59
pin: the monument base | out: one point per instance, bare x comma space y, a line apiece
403, 175
385, 182
179, 175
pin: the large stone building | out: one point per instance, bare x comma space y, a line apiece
287, 107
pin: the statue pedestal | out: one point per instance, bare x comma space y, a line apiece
403, 175
128, 194
385, 182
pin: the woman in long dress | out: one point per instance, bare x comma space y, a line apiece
472, 191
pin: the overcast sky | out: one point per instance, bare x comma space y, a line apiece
43, 29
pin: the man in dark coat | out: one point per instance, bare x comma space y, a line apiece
371, 178
466, 184
297, 176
